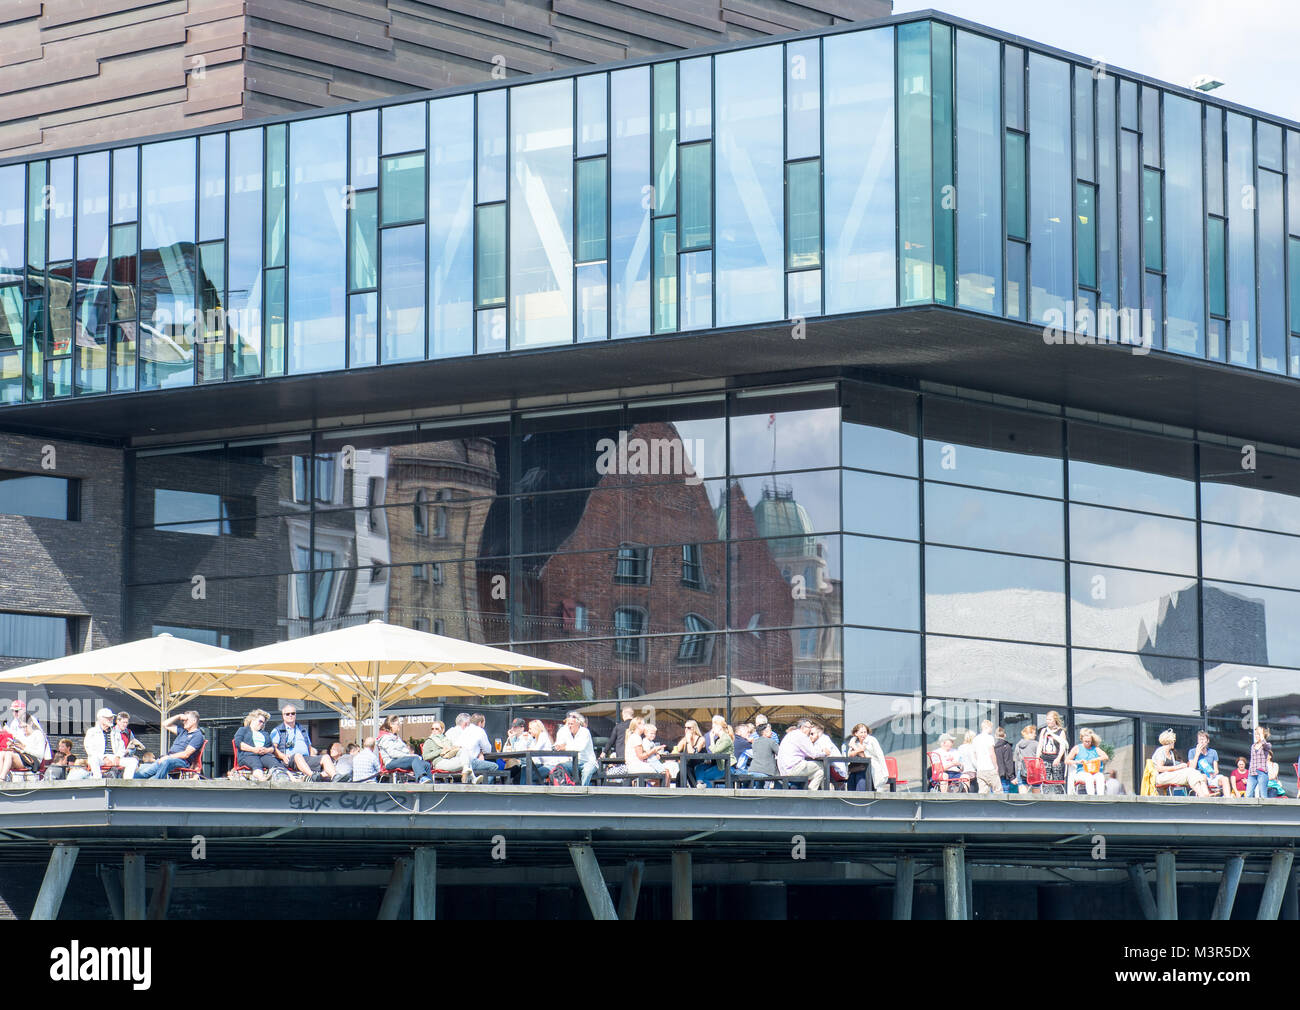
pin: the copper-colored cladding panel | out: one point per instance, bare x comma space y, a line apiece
76, 72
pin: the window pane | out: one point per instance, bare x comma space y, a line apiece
861, 256
879, 430
1125, 469
1241, 242
697, 290
777, 439
403, 128
1152, 217
1051, 180
665, 278
591, 210
1217, 229
490, 242
803, 80
1293, 260
1184, 215
364, 267
979, 165
593, 307
1251, 624
167, 301
973, 668
212, 187
1083, 106
1137, 683
629, 225
1086, 233
1014, 89
33, 636
1012, 451
665, 138
92, 299
697, 196
803, 189
365, 149
451, 223
592, 115
1272, 274
33, 495
126, 183
541, 214
1130, 223
491, 146
1107, 196
881, 583
276, 183
363, 330
1128, 105
1017, 201
1017, 281
803, 297
968, 518
1151, 127
696, 97
244, 250
1133, 611
402, 298
883, 506
916, 176
976, 593
401, 189
1238, 555
317, 236
882, 661
750, 149
1131, 540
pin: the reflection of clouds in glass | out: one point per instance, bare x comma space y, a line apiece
1133, 540
1249, 506
963, 668
1030, 614
1249, 556
799, 440
1221, 691
706, 439
1121, 680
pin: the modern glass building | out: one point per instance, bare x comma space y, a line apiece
912, 366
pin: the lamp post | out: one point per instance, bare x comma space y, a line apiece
1253, 684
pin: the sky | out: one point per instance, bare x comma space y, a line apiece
1250, 45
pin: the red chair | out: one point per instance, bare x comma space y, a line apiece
193, 770
894, 780
1036, 775
939, 776
237, 766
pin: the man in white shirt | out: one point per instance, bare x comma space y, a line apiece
365, 763
454, 733
573, 735
105, 748
986, 761
473, 742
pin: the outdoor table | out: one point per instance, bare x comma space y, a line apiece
523, 756
701, 757
826, 760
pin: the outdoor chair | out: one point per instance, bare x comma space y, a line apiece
193, 770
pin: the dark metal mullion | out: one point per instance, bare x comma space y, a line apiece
1200, 584
350, 209
1067, 554
574, 126
920, 555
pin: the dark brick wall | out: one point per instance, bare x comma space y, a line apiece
57, 567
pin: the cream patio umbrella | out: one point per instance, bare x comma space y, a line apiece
376, 665
700, 700
160, 673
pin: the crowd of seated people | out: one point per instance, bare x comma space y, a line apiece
1044, 761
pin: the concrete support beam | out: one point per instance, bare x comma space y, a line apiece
593, 883
954, 881
1166, 886
133, 886
1279, 873
399, 886
424, 902
162, 894
630, 892
904, 875
1138, 876
1290, 898
1227, 895
683, 880
57, 874
112, 881
970, 892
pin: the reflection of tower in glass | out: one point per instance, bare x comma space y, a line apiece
801, 557
439, 495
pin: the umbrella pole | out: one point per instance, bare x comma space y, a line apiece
163, 699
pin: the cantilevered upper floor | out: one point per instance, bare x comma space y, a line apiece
914, 161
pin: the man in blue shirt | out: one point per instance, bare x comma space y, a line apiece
1205, 759
292, 744
188, 742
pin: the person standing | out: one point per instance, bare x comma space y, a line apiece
1053, 745
1261, 753
986, 759
617, 736
1026, 747
1006, 759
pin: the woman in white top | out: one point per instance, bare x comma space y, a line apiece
541, 741
863, 744
29, 750
641, 752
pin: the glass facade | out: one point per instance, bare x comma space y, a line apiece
882, 549
813, 177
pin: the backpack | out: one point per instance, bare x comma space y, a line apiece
560, 776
